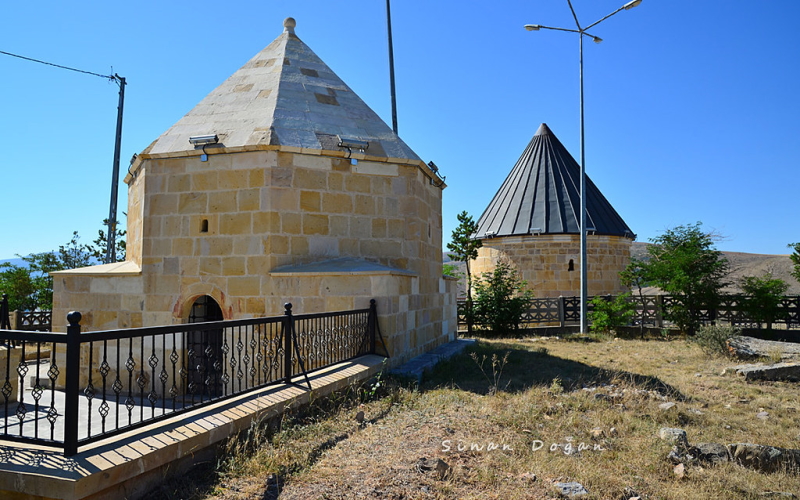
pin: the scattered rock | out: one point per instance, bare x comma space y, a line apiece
679, 471
597, 433
571, 490
777, 494
674, 436
765, 458
666, 406
442, 469
749, 347
714, 453
360, 417
630, 494
776, 371
528, 476
763, 415
613, 432
675, 456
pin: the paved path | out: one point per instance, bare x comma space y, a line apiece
129, 465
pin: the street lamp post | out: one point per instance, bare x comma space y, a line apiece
582, 32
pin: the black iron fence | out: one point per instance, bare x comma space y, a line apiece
5, 320
71, 389
651, 311
30, 321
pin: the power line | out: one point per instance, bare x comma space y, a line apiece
108, 77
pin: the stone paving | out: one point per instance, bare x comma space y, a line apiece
131, 464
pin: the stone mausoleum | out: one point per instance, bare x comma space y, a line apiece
533, 223
281, 185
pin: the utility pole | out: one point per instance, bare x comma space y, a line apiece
111, 237
391, 66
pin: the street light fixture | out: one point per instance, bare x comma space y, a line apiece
582, 32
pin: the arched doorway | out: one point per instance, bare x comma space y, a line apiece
204, 350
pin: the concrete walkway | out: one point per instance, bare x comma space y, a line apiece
130, 465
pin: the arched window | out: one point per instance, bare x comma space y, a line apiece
571, 265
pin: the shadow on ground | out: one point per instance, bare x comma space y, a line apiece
475, 369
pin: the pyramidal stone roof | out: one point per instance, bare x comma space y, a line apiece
287, 97
542, 195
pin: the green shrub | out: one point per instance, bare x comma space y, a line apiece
713, 339
501, 299
609, 314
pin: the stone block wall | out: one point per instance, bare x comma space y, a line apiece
544, 262
222, 227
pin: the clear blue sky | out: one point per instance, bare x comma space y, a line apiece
691, 106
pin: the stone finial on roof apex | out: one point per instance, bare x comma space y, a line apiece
543, 130
289, 24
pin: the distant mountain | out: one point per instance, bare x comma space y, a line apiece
741, 264
14, 262
745, 264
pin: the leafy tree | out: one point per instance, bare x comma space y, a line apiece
633, 276
795, 260
98, 250
73, 255
609, 314
451, 270
30, 287
464, 248
683, 262
501, 299
17, 283
764, 295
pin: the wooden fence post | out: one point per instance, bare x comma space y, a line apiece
659, 312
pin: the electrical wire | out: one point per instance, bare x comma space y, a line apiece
108, 77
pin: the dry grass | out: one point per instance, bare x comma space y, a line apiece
547, 393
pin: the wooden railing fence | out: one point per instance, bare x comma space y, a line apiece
651, 311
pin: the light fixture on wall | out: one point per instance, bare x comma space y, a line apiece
436, 175
490, 234
350, 144
203, 140
536, 231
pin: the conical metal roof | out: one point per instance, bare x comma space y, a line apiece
284, 96
542, 195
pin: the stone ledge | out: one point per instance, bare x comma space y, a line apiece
417, 366
130, 465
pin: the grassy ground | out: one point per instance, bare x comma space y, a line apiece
510, 418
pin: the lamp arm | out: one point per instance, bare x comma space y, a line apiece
601, 20
574, 15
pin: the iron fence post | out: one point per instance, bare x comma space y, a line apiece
5, 322
72, 384
562, 315
373, 318
288, 329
